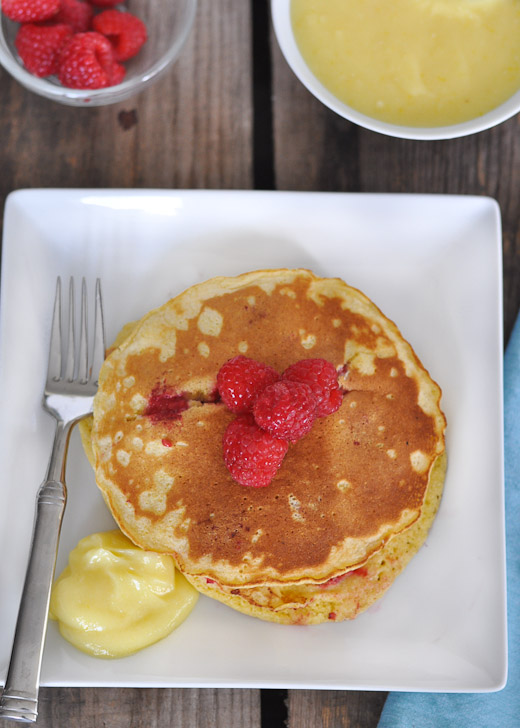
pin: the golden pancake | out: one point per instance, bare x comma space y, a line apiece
356, 480
346, 596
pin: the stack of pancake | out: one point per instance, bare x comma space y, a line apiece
353, 500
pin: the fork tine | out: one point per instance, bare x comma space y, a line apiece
54, 366
98, 354
71, 342
83, 373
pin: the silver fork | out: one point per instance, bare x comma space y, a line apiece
69, 390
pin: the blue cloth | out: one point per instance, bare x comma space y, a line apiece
483, 710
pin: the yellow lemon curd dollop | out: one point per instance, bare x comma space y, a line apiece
413, 62
113, 598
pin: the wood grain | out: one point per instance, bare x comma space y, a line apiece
334, 709
148, 708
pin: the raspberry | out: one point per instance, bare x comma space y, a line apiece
105, 3
75, 13
252, 455
118, 73
126, 32
241, 379
39, 46
87, 62
30, 11
165, 405
321, 376
286, 410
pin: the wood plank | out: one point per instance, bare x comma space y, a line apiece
334, 709
329, 153
149, 708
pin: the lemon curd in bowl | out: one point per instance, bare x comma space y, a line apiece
414, 63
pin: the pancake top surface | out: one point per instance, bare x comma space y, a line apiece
357, 478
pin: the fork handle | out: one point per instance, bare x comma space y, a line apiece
20, 696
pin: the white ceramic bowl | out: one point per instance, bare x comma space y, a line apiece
168, 22
280, 11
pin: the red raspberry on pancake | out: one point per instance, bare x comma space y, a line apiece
252, 455
286, 409
241, 379
321, 376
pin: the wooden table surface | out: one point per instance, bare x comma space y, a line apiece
231, 115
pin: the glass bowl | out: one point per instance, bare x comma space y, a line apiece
168, 22
281, 16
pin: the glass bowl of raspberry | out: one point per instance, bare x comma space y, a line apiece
91, 52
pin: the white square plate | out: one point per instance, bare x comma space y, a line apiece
431, 263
